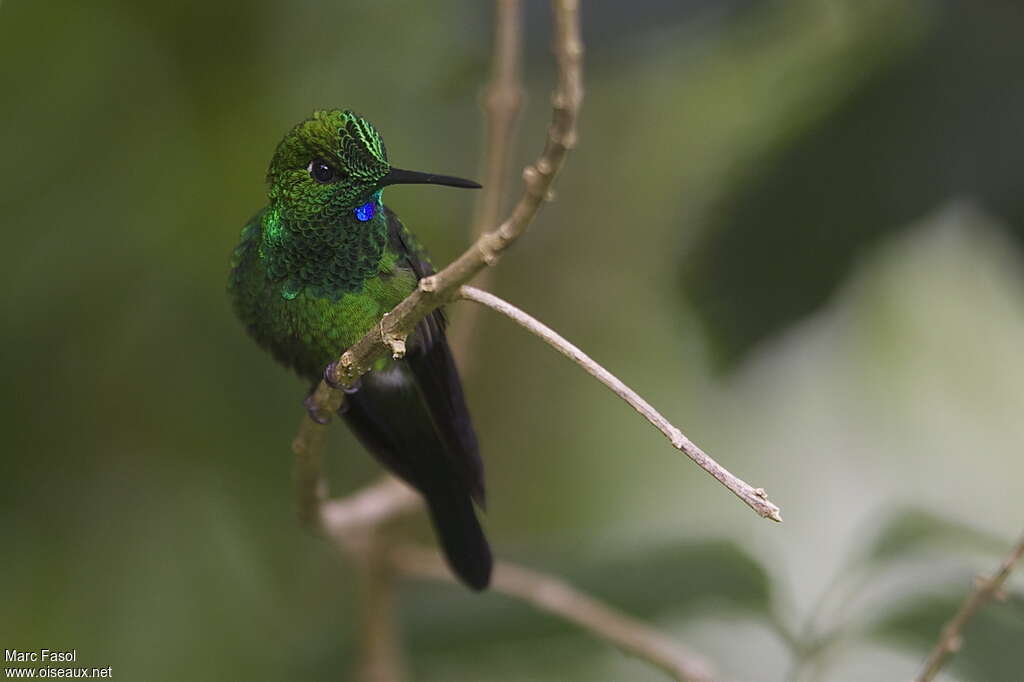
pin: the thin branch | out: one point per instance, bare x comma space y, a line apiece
438, 289
552, 595
367, 508
382, 659
502, 103
353, 523
308, 473
755, 498
985, 589
381, 654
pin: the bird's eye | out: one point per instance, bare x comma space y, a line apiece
321, 171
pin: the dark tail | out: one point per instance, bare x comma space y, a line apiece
413, 418
462, 538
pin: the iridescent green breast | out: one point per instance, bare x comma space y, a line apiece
307, 316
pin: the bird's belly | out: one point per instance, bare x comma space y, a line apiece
307, 332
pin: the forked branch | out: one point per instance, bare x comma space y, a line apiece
985, 589
438, 289
354, 523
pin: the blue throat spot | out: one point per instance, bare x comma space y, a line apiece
366, 211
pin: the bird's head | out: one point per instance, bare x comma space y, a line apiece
333, 164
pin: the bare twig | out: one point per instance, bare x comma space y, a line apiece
353, 523
382, 659
310, 484
367, 508
985, 589
755, 498
502, 103
550, 594
438, 289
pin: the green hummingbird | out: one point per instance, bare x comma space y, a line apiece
316, 269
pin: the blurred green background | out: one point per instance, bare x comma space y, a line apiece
794, 226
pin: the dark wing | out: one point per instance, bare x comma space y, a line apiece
434, 367
412, 416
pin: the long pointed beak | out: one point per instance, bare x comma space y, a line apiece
397, 176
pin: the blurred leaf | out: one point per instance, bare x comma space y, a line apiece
678, 579
685, 576
922, 121
991, 650
911, 530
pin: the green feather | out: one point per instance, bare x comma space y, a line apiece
311, 276
309, 279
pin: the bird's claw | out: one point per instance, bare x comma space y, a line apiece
329, 371
314, 411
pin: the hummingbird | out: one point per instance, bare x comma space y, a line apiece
316, 269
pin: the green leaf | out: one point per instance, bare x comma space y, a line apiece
684, 577
921, 122
675, 580
992, 648
912, 530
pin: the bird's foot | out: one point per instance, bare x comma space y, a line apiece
313, 411
329, 371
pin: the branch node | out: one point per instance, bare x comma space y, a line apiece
394, 342
428, 285
487, 251
951, 637
504, 232
530, 176
349, 367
